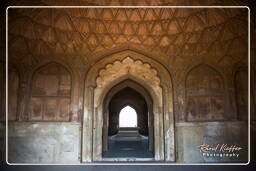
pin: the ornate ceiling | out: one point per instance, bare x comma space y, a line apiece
173, 35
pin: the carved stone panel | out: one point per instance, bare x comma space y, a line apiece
204, 94
241, 85
51, 91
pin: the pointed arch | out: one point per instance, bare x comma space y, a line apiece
204, 94
108, 72
50, 96
145, 129
128, 117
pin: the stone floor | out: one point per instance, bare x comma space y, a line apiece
128, 148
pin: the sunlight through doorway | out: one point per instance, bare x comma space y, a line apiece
128, 117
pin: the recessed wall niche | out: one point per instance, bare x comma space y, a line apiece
50, 93
204, 94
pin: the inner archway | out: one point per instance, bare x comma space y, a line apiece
127, 126
128, 117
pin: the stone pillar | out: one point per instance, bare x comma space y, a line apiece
97, 134
105, 130
75, 95
168, 125
158, 133
87, 125
150, 129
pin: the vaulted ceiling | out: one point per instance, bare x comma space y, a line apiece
173, 35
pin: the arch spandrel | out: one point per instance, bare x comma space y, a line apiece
163, 72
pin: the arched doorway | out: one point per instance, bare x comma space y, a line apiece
127, 124
128, 92
111, 71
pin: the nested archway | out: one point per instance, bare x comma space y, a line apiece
128, 92
107, 73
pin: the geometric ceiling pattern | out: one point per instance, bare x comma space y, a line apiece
175, 35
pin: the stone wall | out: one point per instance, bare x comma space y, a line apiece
43, 142
60, 142
191, 135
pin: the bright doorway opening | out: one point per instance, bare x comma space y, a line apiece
128, 117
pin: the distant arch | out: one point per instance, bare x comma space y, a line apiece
128, 117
